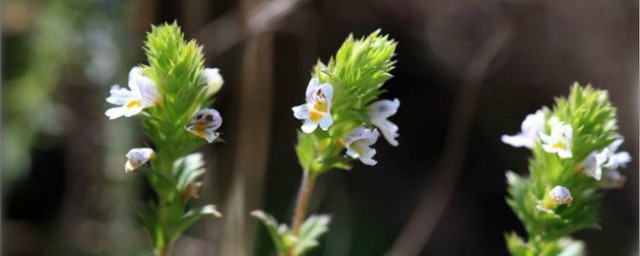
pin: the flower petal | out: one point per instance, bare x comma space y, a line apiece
389, 130
517, 140
383, 109
312, 87
115, 112
301, 112
309, 126
327, 90
326, 122
119, 96
565, 153
138, 157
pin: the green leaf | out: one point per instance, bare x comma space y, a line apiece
280, 234
188, 169
192, 216
310, 231
285, 242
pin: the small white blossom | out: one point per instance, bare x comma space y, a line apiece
142, 94
612, 179
592, 165
205, 124
212, 79
531, 127
379, 112
561, 195
617, 159
138, 157
358, 144
317, 110
560, 139
607, 159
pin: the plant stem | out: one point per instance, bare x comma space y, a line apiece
302, 203
163, 250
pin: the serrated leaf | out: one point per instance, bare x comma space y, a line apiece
192, 216
277, 232
310, 231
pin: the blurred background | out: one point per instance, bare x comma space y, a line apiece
467, 72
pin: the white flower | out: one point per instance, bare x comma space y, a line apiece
607, 158
612, 179
560, 139
138, 157
143, 94
212, 79
617, 159
592, 165
205, 123
379, 111
358, 144
531, 127
561, 195
317, 110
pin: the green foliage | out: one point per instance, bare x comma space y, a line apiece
288, 244
561, 247
30, 106
593, 120
357, 73
175, 67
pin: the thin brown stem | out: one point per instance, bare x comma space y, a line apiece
302, 203
437, 194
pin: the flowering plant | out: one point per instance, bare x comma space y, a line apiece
170, 95
574, 148
341, 119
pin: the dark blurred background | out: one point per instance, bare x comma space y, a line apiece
467, 72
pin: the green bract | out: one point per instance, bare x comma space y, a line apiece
593, 119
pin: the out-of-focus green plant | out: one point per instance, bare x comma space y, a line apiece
574, 148
341, 123
29, 99
170, 95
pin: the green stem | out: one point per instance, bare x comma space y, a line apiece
162, 251
302, 203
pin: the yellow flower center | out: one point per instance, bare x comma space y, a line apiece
199, 129
133, 103
318, 111
558, 145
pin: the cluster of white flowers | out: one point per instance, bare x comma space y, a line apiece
533, 127
143, 93
602, 165
317, 112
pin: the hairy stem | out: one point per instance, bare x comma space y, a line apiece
302, 203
